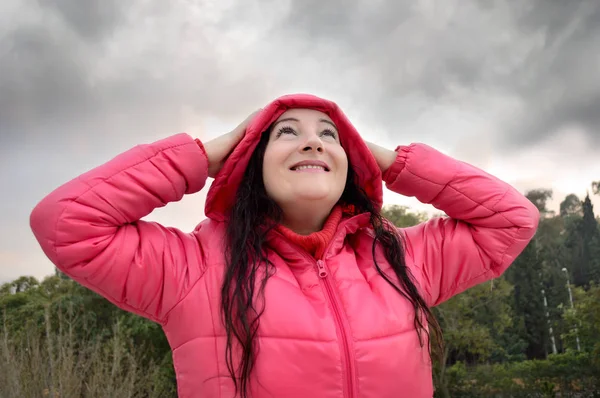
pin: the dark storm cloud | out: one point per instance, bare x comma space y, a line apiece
542, 54
564, 87
96, 67
389, 38
46, 68
92, 20
40, 80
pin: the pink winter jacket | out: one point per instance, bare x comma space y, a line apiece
344, 332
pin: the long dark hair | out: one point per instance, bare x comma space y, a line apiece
252, 217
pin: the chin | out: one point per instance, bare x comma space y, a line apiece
315, 196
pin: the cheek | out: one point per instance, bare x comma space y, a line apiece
342, 165
342, 177
270, 172
267, 170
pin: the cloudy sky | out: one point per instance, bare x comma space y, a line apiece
512, 87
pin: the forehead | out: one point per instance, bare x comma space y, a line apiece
304, 115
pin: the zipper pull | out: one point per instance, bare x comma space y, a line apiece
322, 269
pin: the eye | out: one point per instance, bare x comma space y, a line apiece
285, 130
330, 133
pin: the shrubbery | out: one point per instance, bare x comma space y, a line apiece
566, 375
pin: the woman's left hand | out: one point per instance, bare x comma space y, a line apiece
384, 157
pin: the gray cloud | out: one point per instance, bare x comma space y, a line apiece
541, 55
41, 81
92, 20
394, 56
561, 85
100, 68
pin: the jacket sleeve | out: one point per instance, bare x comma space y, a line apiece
489, 222
90, 227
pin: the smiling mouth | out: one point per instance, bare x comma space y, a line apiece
309, 168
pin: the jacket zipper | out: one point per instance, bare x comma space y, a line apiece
346, 355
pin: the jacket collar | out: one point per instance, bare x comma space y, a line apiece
293, 253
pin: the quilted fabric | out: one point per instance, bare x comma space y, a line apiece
332, 327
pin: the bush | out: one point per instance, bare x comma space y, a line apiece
562, 375
66, 354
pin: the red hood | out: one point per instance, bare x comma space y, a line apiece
221, 195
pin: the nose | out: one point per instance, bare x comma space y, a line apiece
312, 144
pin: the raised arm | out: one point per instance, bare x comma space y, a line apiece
489, 222
90, 227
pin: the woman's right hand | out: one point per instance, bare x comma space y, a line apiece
219, 149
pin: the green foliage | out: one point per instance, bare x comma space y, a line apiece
540, 198
527, 301
583, 243
60, 339
402, 216
570, 374
571, 206
474, 322
584, 321
478, 327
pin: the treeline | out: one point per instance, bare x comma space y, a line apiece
533, 332
536, 330
58, 339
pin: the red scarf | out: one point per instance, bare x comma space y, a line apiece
316, 242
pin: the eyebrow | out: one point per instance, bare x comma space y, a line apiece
293, 119
328, 122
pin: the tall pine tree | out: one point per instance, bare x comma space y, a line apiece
528, 304
590, 234
584, 242
526, 276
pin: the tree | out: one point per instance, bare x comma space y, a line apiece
474, 323
583, 241
591, 240
540, 197
19, 285
586, 315
63, 338
571, 206
552, 257
596, 187
526, 275
402, 217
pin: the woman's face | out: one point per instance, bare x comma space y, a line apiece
304, 160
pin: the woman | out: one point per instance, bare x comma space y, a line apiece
293, 286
